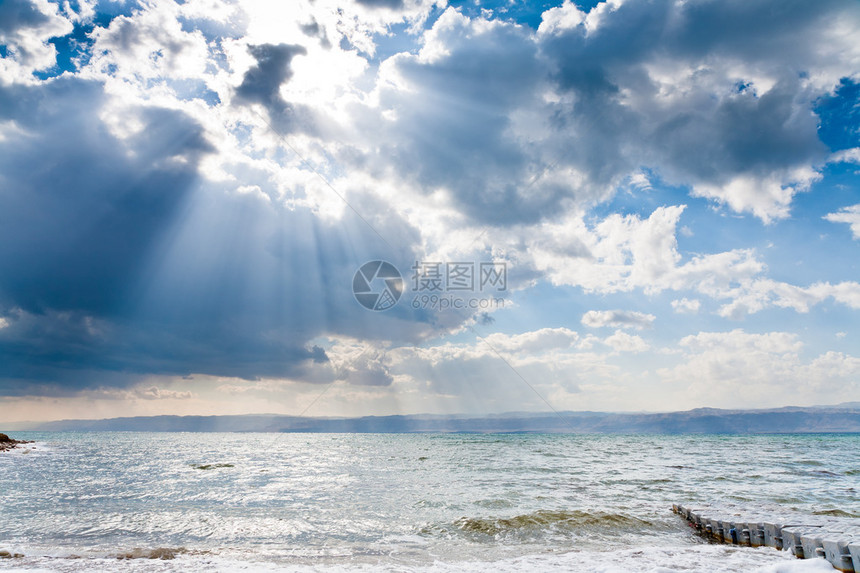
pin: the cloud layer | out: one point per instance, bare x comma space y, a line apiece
186, 190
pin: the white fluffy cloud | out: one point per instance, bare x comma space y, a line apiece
767, 197
543, 340
617, 318
626, 253
151, 44
623, 253
686, 306
624, 342
849, 215
760, 294
761, 369
25, 28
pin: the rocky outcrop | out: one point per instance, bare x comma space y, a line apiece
7, 443
7, 554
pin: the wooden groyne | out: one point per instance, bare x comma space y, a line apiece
834, 539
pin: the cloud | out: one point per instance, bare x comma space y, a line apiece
536, 341
738, 339
150, 44
766, 197
150, 223
686, 306
156, 393
360, 363
760, 294
460, 136
679, 87
618, 253
25, 28
847, 156
849, 215
262, 82
118, 260
471, 375
132, 395
765, 369
622, 253
617, 318
624, 342
77, 228
625, 253
390, 4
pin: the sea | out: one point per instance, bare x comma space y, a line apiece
128, 501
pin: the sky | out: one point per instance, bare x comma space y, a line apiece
411, 206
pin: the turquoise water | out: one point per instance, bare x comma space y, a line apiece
406, 502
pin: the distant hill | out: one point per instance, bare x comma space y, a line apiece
789, 420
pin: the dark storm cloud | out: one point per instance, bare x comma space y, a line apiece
262, 81
17, 14
453, 124
390, 4
261, 84
715, 132
118, 261
745, 29
60, 352
79, 211
700, 93
314, 30
743, 133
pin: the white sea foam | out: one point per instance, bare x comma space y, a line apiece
679, 559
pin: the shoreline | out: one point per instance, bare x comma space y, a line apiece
7, 443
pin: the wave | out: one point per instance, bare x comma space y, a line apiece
211, 466
164, 553
671, 558
834, 513
556, 521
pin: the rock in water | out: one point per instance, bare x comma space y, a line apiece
7, 443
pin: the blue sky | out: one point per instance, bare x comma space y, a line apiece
187, 191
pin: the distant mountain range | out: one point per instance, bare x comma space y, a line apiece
819, 419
